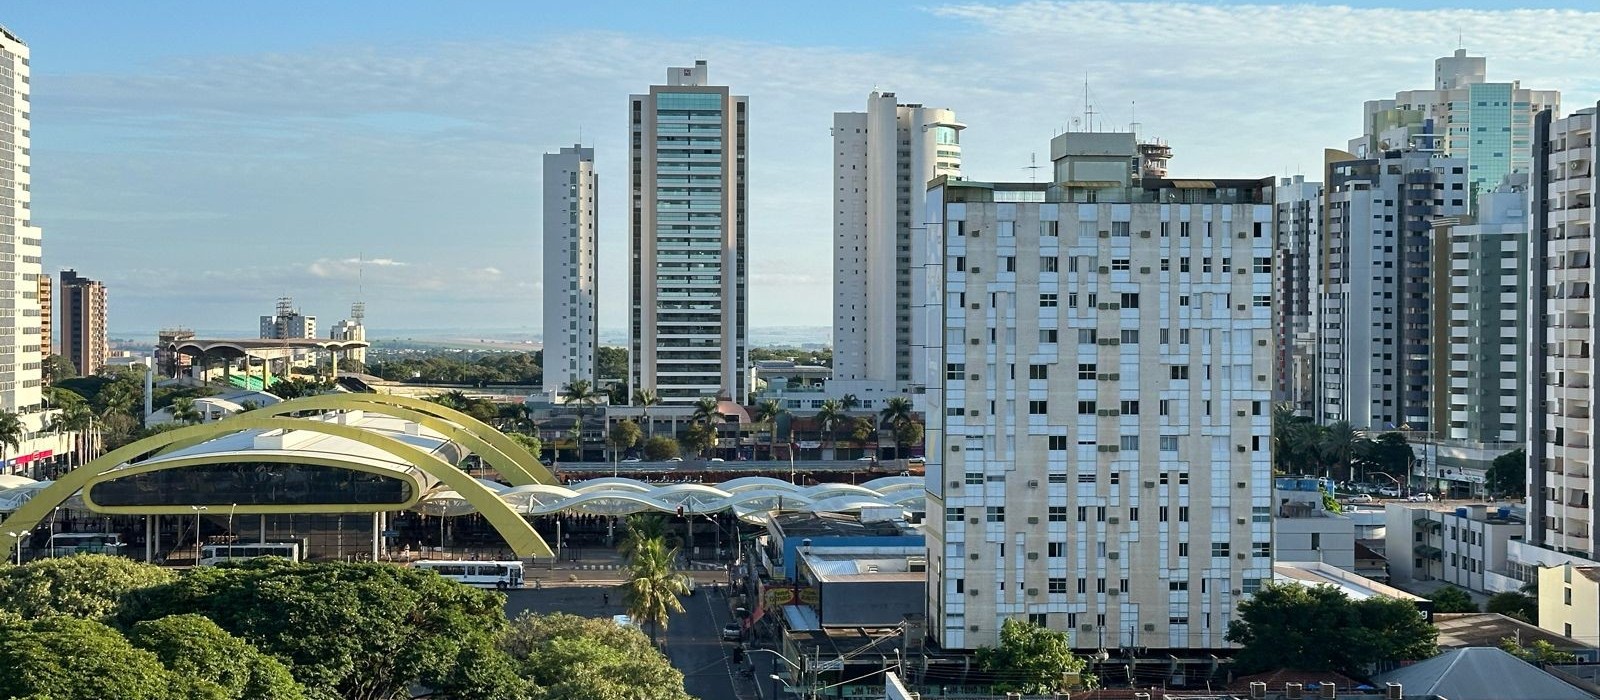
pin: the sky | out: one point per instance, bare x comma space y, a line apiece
205, 158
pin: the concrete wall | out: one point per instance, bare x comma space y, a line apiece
1569, 603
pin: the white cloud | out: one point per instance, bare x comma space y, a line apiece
430, 152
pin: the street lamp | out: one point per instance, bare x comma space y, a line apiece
16, 538
197, 511
52, 544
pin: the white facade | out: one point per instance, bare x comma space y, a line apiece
883, 160
1488, 125
571, 289
1460, 546
1376, 282
20, 335
688, 319
287, 322
1561, 336
1303, 530
351, 329
1099, 407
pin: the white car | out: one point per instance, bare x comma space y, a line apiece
1389, 492
1358, 498
717, 459
866, 459
674, 459
631, 460
1420, 498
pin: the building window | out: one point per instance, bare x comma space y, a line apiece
974, 478
1057, 443
1180, 371
1169, 443
1130, 442
954, 515
1058, 549
1219, 550
1038, 408
996, 514
1049, 263
1130, 408
1130, 300
1085, 408
1047, 301
1038, 371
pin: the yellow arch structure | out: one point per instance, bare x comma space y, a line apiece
472, 437
517, 532
512, 449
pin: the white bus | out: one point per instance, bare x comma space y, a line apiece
66, 544
484, 574
214, 554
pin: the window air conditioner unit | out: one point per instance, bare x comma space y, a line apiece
955, 484
1149, 627
1033, 556
1033, 520
1033, 592
1113, 555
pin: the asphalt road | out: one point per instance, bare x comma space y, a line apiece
692, 638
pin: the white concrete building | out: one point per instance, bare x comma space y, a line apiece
1304, 530
286, 321
571, 288
1098, 417
1298, 219
688, 321
20, 334
883, 159
1488, 125
1376, 285
1561, 336
1457, 545
351, 329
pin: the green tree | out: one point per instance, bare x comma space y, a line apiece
531, 443
1030, 659
1450, 599
660, 448
706, 410
68, 657
1388, 453
184, 411
1508, 474
580, 392
82, 585
908, 433
766, 415
640, 529
57, 368
195, 647
624, 434
828, 418
645, 398
698, 438
75, 419
1318, 628
1337, 445
577, 658
611, 362
652, 588
11, 433
1514, 604
348, 630
897, 412
1539, 652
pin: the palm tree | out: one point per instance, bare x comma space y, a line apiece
707, 415
184, 411
640, 528
1338, 442
767, 413
11, 433
646, 398
581, 392
653, 586
828, 418
895, 414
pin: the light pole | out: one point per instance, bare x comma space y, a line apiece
52, 543
197, 511
232, 538
16, 538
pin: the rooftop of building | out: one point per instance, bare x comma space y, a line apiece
1481, 673
1318, 573
1491, 513
1459, 630
1142, 191
829, 567
865, 644
792, 525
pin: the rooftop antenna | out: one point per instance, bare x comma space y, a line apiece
1133, 107
1088, 108
1033, 167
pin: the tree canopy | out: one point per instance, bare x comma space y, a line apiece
1030, 659
1319, 628
1450, 599
195, 647
69, 657
1507, 474
578, 658
85, 585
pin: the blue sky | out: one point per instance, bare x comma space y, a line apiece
204, 158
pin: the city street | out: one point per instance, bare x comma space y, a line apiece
692, 640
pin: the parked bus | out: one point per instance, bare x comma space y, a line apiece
484, 574
66, 544
214, 554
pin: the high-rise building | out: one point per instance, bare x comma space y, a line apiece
1561, 336
1479, 339
1487, 125
21, 346
883, 160
84, 341
47, 308
571, 289
1376, 285
1298, 219
353, 328
1099, 443
287, 322
688, 319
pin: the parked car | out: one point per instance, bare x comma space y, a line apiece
1420, 498
1358, 498
631, 460
732, 633
674, 459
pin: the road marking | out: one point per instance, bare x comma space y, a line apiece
727, 662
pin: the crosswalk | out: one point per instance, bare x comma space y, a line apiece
693, 566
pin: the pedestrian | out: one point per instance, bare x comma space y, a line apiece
605, 599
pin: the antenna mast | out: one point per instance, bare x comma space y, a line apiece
1033, 167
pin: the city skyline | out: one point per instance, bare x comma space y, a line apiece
425, 128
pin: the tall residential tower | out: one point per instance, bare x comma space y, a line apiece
20, 341
571, 290
83, 323
883, 159
688, 318
1100, 450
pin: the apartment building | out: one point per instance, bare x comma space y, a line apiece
84, 340
1297, 221
1099, 421
1561, 336
1459, 545
688, 320
883, 159
21, 342
1376, 291
571, 284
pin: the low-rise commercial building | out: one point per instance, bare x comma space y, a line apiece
1304, 530
1455, 544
